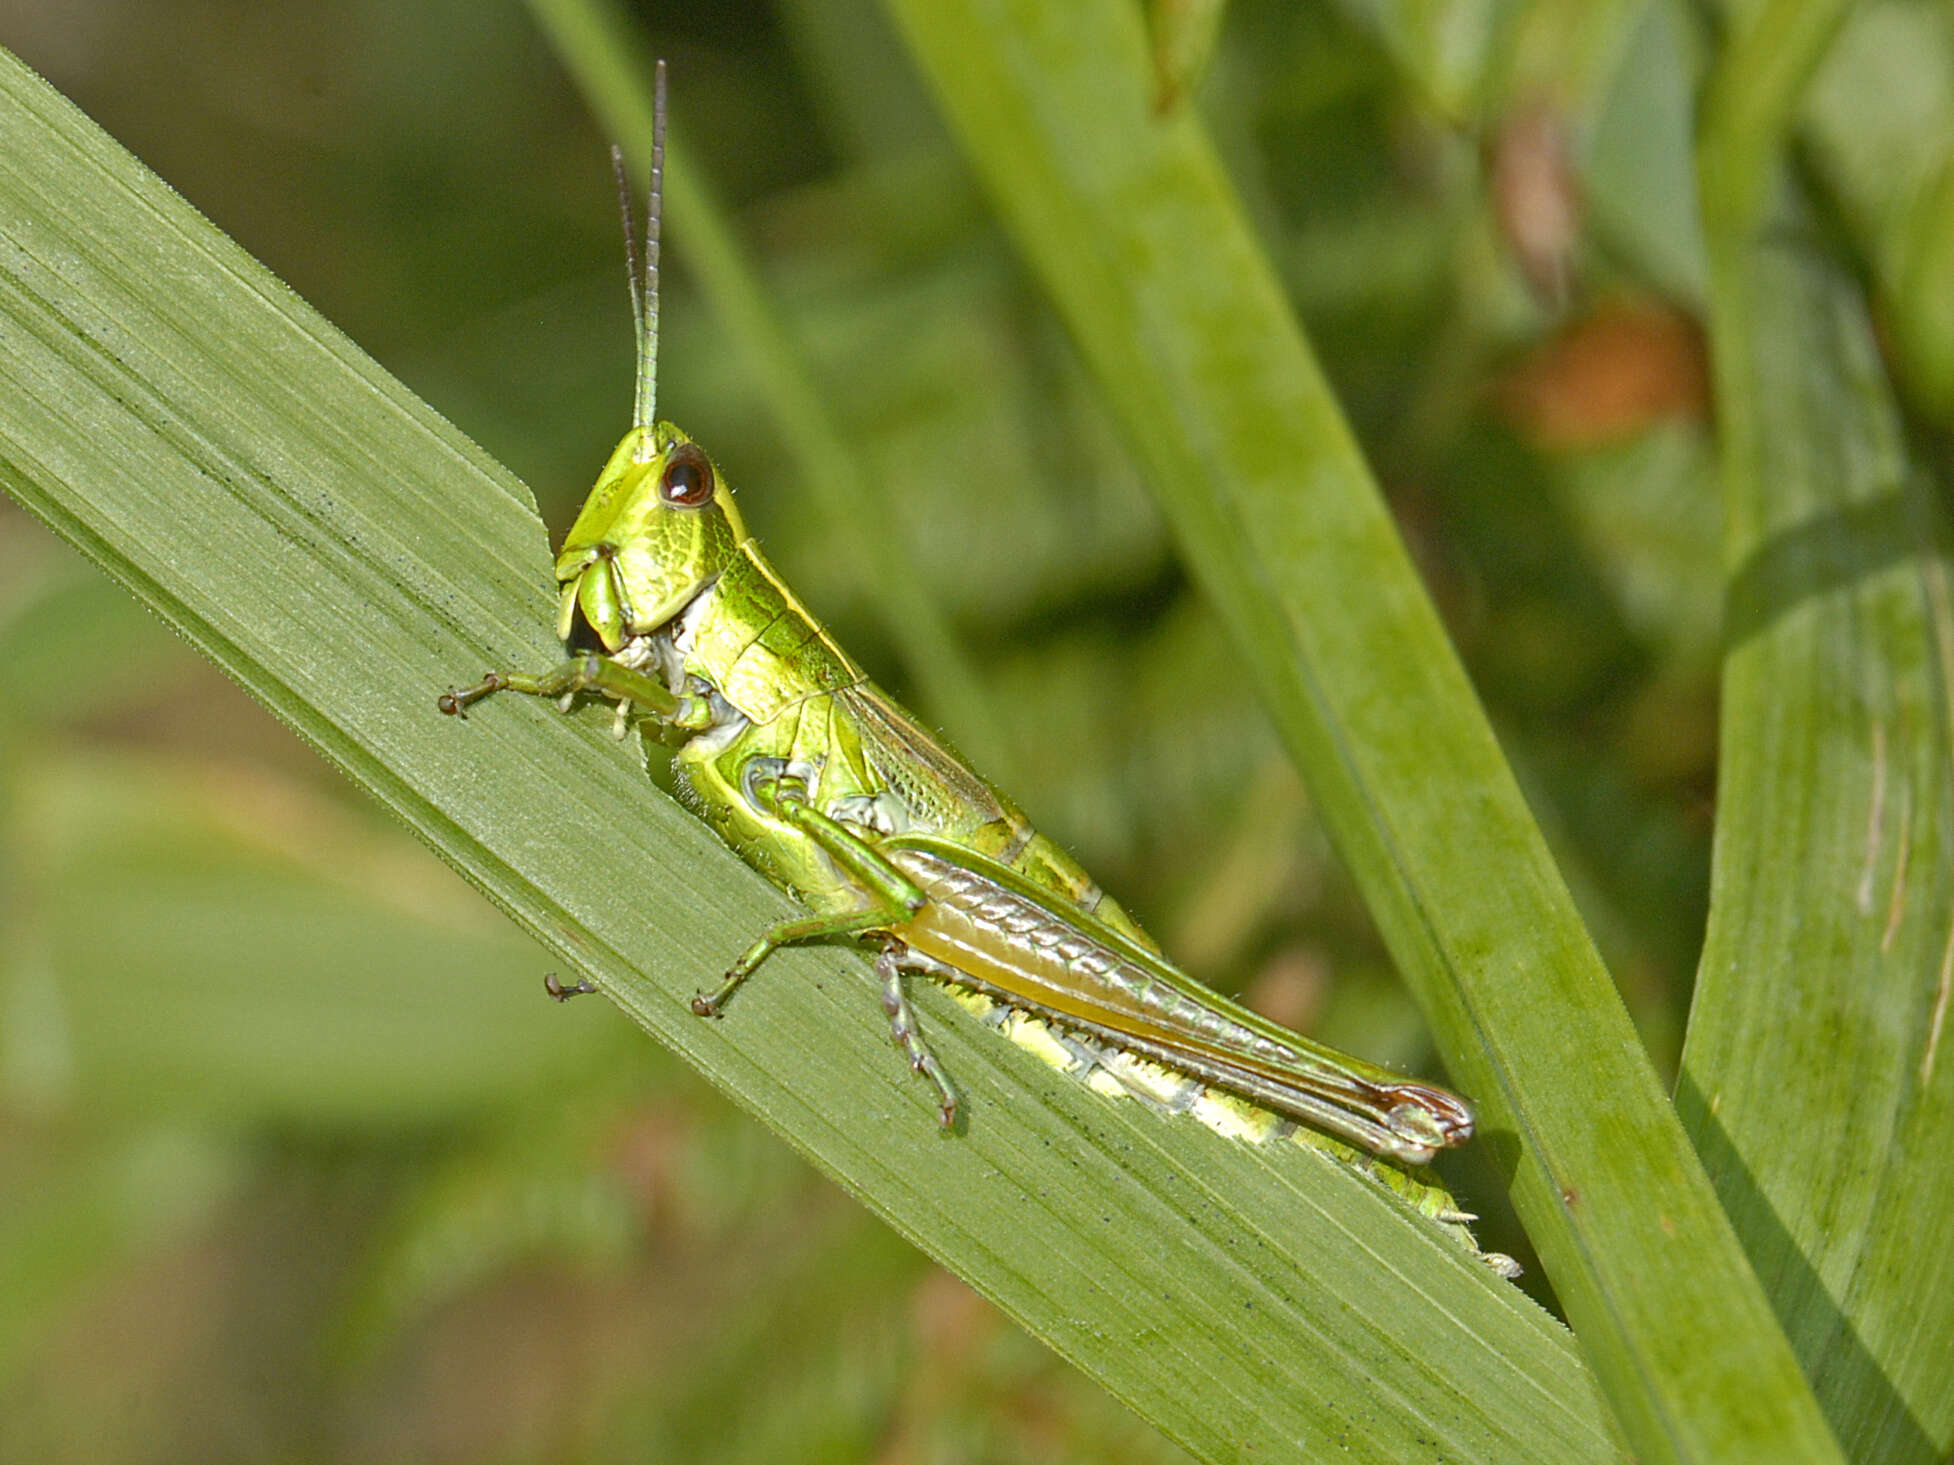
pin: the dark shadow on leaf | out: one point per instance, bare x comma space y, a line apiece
1822, 554
1828, 1346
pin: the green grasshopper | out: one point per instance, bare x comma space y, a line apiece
830, 789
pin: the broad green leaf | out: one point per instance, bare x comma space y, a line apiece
344, 554
1137, 236
223, 943
1814, 1081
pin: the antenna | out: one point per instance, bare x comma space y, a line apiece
644, 294
630, 257
648, 312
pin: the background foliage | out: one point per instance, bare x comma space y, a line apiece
295, 1161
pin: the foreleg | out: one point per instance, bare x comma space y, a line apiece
600, 675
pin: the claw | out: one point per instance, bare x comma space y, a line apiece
455, 703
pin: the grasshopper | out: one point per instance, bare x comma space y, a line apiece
829, 788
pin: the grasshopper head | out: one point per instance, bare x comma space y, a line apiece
658, 528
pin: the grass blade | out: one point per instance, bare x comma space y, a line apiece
1813, 1082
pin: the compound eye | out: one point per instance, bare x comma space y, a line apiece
687, 482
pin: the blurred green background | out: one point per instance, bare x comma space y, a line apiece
295, 1161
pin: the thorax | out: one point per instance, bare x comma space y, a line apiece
748, 638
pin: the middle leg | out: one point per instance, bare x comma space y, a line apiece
909, 1038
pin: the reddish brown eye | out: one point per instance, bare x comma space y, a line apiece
688, 477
